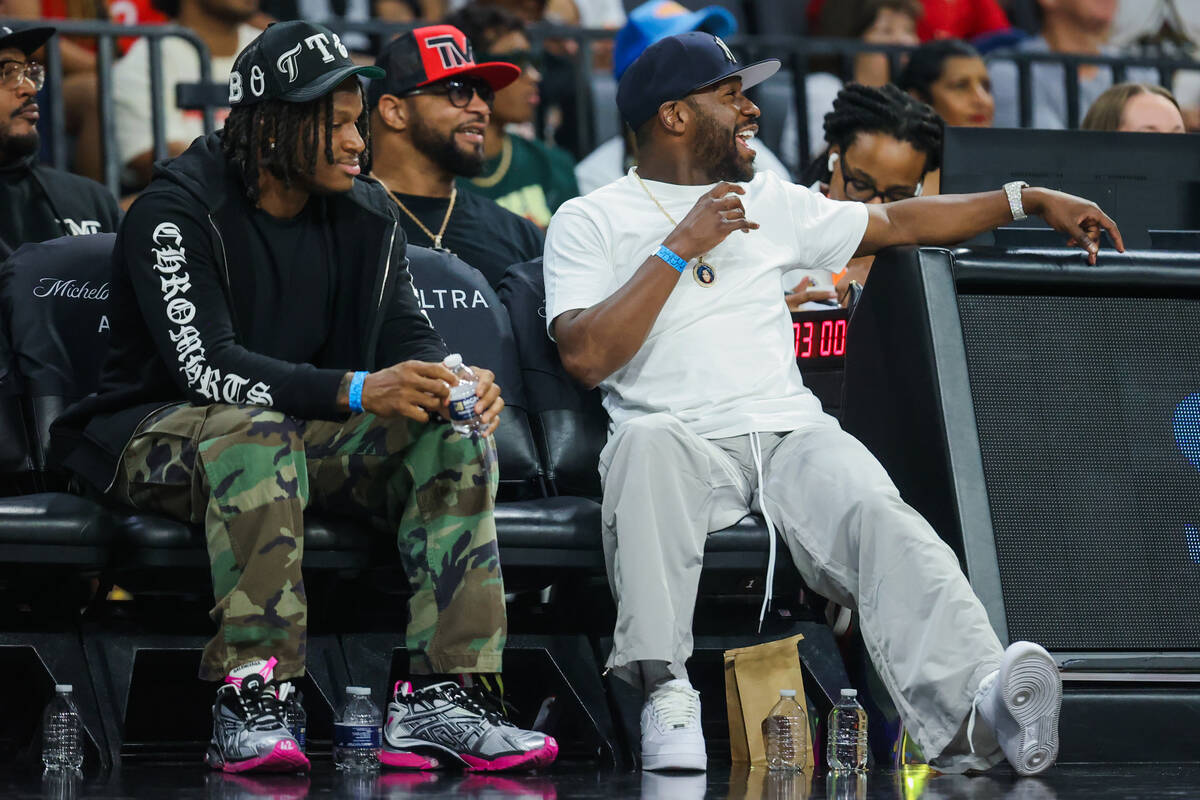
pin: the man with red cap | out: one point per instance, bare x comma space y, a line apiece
428, 120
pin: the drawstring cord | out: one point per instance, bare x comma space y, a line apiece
756, 453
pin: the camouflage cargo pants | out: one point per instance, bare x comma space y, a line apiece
247, 474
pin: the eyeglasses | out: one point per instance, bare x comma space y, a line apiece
521, 58
862, 191
459, 91
12, 73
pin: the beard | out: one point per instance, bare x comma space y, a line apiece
14, 146
445, 152
718, 148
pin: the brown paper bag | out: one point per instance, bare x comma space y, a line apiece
753, 677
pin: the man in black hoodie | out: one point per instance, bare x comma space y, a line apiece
39, 203
268, 355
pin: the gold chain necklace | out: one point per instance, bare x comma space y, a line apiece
437, 239
703, 272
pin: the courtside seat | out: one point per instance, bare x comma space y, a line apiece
557, 532
54, 528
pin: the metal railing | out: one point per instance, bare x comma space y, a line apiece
797, 53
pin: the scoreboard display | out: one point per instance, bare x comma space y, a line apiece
819, 339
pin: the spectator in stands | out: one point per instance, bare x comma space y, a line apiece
692, 350
1164, 29
647, 24
1135, 107
1078, 27
891, 22
39, 202
220, 24
256, 282
521, 173
883, 146
953, 79
428, 119
939, 19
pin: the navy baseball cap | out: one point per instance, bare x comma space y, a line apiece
676, 66
25, 39
657, 19
293, 61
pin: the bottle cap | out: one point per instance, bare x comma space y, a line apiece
787, 692
452, 361
63, 687
849, 692
358, 691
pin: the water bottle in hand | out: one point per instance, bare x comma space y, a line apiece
462, 397
848, 735
62, 732
785, 734
357, 733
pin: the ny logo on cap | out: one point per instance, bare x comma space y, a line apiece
451, 54
286, 63
725, 49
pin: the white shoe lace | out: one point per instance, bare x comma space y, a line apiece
675, 706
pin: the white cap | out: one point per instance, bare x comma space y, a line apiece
63, 687
787, 692
849, 692
452, 361
362, 691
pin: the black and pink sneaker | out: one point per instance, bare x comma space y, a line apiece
249, 734
443, 724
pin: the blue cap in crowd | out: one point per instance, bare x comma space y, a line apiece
659, 19
674, 67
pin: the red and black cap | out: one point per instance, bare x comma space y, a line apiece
295, 62
431, 54
25, 39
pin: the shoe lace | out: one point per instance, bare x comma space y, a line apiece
260, 701
675, 706
461, 698
496, 706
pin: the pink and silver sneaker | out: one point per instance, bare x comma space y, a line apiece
443, 724
249, 734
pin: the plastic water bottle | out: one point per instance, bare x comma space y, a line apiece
296, 718
62, 732
357, 733
462, 397
847, 750
785, 734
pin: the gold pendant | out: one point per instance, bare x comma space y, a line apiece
704, 274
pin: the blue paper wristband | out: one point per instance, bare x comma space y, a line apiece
669, 256
356, 387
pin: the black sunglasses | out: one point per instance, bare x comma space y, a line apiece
459, 91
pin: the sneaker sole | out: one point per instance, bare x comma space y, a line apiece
1032, 695
682, 761
285, 757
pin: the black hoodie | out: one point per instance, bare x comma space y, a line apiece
42, 203
175, 336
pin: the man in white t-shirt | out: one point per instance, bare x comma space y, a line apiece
220, 24
663, 288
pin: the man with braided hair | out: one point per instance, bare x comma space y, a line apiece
269, 356
881, 144
662, 288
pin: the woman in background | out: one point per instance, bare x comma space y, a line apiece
1137, 108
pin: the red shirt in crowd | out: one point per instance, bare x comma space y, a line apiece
125, 12
945, 19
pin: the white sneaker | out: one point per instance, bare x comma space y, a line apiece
671, 737
1022, 706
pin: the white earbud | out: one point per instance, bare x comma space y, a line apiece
833, 159
920, 187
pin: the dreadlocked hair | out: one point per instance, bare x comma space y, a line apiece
886, 110
285, 138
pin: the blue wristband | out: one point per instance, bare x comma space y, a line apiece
669, 256
356, 387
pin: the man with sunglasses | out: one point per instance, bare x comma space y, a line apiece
524, 175
40, 203
428, 122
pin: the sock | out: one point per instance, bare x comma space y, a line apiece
653, 674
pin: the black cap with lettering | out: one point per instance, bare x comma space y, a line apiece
292, 61
674, 67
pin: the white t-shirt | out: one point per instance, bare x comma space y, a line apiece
131, 92
719, 357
